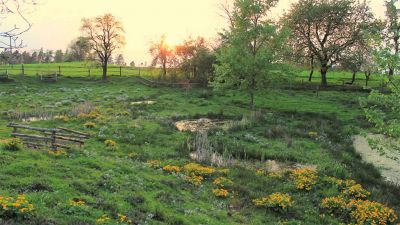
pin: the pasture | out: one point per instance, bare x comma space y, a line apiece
136, 167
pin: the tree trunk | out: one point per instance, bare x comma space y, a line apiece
354, 77
324, 81
251, 100
391, 72
105, 71
367, 75
164, 72
312, 69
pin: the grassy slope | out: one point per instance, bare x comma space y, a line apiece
113, 183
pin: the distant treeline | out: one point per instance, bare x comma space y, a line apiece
79, 50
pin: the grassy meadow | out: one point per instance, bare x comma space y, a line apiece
87, 69
134, 168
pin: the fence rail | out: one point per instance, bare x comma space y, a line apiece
48, 137
66, 70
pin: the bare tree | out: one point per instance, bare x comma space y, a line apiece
106, 34
10, 38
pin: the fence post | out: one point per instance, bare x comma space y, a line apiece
120, 71
89, 72
59, 70
53, 141
23, 69
139, 71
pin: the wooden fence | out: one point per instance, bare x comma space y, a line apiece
52, 138
185, 84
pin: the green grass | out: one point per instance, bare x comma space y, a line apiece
112, 183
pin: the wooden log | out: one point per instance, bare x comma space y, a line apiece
62, 146
32, 128
69, 139
73, 131
68, 135
45, 139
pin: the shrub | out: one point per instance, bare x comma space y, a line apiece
275, 201
11, 144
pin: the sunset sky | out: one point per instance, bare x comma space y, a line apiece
57, 22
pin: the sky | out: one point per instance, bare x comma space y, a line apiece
56, 22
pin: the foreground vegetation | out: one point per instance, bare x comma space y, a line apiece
136, 167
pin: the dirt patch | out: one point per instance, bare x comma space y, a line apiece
389, 167
202, 124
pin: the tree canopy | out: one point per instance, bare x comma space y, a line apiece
326, 28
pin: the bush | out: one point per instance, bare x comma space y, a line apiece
12, 144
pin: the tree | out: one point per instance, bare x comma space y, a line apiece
382, 110
59, 56
10, 37
249, 52
132, 64
26, 57
48, 56
326, 28
195, 59
106, 35
34, 58
40, 56
162, 55
79, 49
120, 60
391, 37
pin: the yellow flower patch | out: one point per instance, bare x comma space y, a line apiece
197, 169
220, 192
172, 169
356, 191
89, 125
111, 144
305, 178
194, 179
77, 202
19, 205
154, 163
103, 219
276, 200
223, 182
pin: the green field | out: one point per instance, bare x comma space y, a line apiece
112, 181
81, 69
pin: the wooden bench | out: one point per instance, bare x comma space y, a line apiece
48, 76
36, 137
